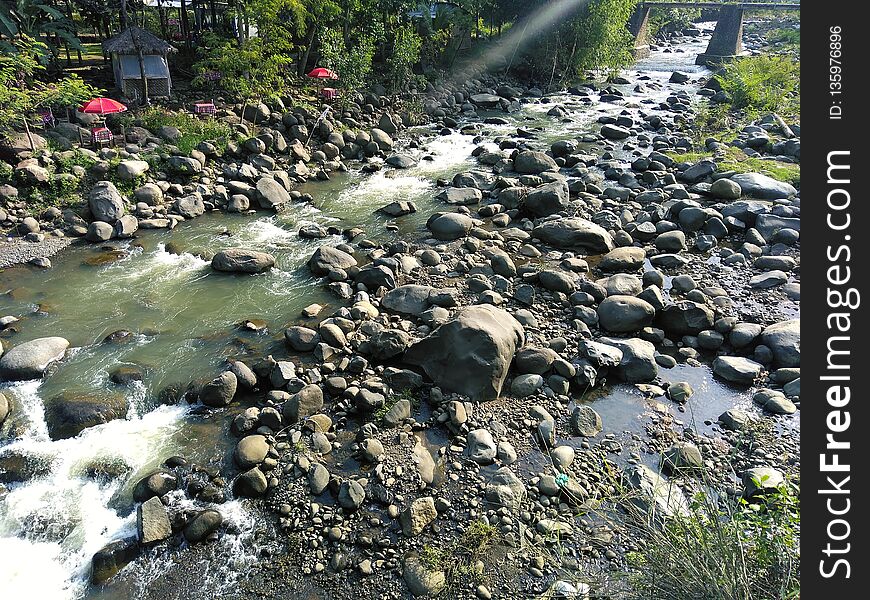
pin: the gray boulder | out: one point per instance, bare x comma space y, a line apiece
29, 360
547, 199
240, 260
68, 414
327, 258
450, 226
574, 232
784, 339
106, 202
737, 369
624, 314
531, 162
471, 353
271, 194
756, 185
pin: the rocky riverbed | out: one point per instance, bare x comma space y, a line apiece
572, 322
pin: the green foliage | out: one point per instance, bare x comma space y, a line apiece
406, 53
37, 19
723, 550
606, 43
785, 36
21, 92
762, 83
671, 19
353, 62
193, 129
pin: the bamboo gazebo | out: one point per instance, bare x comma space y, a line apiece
139, 61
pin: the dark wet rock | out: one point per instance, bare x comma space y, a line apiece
157, 483
449, 226
784, 340
220, 391
251, 484
301, 339
304, 403
240, 260
203, 525
548, 199
471, 353
574, 233
68, 414
113, 557
684, 318
624, 314
530, 162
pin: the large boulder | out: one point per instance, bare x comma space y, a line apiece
152, 522
239, 260
784, 339
471, 353
624, 314
183, 165
756, 185
29, 360
271, 194
190, 206
220, 391
655, 496
68, 414
327, 258
409, 299
202, 525
638, 364
130, 170
106, 202
449, 226
684, 318
531, 162
113, 557
547, 199
574, 232
625, 259
737, 369
460, 195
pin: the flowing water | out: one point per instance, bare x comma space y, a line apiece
184, 320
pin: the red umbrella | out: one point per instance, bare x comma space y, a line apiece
102, 106
323, 73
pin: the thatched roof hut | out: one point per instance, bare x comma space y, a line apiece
138, 53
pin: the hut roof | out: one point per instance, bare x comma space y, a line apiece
134, 38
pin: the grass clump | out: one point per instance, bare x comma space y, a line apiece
724, 549
736, 160
193, 129
763, 83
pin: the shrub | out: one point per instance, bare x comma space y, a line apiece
723, 550
193, 129
763, 83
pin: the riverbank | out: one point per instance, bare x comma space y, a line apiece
445, 424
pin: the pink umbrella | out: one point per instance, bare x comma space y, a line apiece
323, 73
102, 106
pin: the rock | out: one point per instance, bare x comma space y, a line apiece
657, 496
585, 421
480, 447
784, 340
726, 189
327, 258
535, 360
671, 241
130, 170
306, 402
202, 525
318, 479
183, 165
615, 132
638, 364
734, 419
624, 314
156, 484
240, 260
574, 233
523, 386
557, 281
505, 490
126, 227
5, 408
408, 299
401, 161
684, 318
737, 369
762, 187
99, 231
67, 414
770, 279
30, 360
422, 581
471, 353
220, 391
460, 196
301, 339
418, 515
761, 480
381, 138
530, 162
680, 392
190, 206
547, 199
152, 522
399, 208
677, 77
626, 259
682, 457
113, 557
251, 484
388, 344
251, 451
449, 226
105, 202
351, 495
271, 195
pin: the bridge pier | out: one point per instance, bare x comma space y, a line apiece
727, 41
638, 26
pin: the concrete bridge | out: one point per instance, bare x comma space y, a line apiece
727, 41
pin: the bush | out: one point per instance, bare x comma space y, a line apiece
763, 83
193, 129
723, 550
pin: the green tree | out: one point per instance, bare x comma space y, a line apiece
39, 20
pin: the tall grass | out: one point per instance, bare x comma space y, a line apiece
193, 129
763, 83
724, 549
